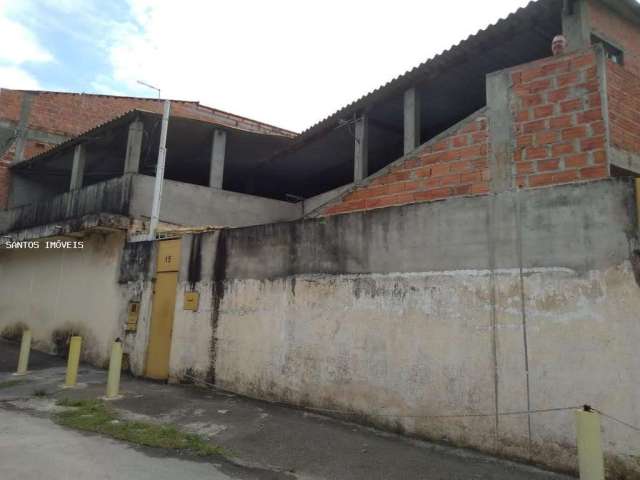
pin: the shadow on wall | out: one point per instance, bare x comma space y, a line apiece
61, 337
635, 265
13, 333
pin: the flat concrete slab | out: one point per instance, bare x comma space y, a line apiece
265, 440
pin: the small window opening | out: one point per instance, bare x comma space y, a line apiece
613, 53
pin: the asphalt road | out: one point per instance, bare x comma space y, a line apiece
33, 448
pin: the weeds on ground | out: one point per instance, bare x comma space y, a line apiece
95, 416
11, 383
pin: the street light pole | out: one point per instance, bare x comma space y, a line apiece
157, 189
162, 154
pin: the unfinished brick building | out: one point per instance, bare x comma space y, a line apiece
454, 255
33, 121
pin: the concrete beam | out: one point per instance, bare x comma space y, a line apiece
218, 152
361, 154
576, 26
501, 133
627, 160
77, 170
134, 147
411, 120
21, 131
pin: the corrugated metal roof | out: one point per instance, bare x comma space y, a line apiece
628, 8
433, 64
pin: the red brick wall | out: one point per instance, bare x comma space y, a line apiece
611, 26
623, 92
72, 114
559, 136
451, 166
5, 161
559, 127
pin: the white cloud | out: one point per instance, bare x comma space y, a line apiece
16, 77
286, 62
19, 47
19, 44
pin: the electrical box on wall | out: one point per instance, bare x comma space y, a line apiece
132, 316
191, 300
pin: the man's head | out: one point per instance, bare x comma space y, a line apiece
558, 45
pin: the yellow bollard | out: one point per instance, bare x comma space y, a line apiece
73, 361
638, 199
590, 457
115, 366
25, 349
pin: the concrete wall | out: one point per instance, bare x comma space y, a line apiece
187, 204
56, 291
192, 349
403, 315
110, 197
24, 190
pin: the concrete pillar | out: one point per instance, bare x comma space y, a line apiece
218, 149
77, 170
501, 131
411, 120
361, 154
576, 26
134, 147
23, 126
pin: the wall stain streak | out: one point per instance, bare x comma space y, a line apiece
195, 261
217, 294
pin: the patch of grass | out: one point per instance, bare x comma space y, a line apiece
11, 383
95, 416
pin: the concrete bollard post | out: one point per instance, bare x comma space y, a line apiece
25, 349
589, 442
115, 366
73, 361
638, 199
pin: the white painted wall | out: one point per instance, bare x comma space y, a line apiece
49, 289
410, 346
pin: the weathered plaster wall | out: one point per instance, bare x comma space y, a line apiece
110, 197
402, 314
193, 331
76, 290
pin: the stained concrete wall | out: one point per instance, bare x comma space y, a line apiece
415, 317
110, 197
187, 204
57, 291
193, 341
25, 190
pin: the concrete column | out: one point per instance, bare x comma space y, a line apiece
134, 147
218, 149
23, 126
77, 170
576, 26
411, 120
501, 131
361, 154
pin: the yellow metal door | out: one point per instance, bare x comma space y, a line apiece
164, 303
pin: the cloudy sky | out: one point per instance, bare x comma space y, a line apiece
290, 63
